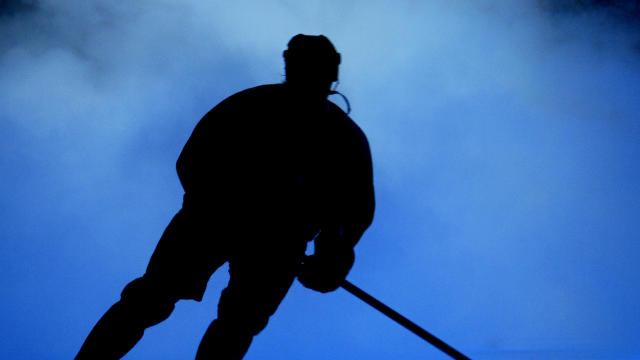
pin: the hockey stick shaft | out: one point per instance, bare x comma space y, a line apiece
410, 325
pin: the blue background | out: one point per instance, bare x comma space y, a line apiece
505, 138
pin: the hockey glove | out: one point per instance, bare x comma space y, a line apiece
325, 273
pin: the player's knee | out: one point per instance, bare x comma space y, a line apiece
246, 316
146, 302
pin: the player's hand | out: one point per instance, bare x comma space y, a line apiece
325, 273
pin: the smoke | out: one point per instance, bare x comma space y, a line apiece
505, 144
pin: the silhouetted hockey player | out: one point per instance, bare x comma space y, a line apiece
264, 172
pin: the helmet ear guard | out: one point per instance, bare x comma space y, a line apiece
337, 59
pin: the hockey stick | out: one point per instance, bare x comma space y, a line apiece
395, 316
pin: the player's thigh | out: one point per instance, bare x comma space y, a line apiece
186, 256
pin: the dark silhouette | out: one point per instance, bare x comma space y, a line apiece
264, 172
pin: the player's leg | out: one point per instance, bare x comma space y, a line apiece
142, 304
258, 283
179, 268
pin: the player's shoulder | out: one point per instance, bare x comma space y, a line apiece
246, 100
338, 115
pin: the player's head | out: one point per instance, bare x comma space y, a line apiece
311, 62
